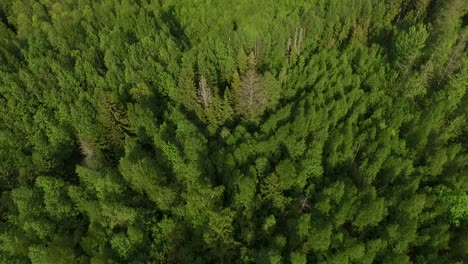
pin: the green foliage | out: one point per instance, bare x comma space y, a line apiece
409, 46
247, 132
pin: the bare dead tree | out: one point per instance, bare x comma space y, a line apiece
356, 151
294, 45
205, 95
87, 151
251, 95
85, 148
304, 203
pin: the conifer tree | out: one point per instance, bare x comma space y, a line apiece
251, 96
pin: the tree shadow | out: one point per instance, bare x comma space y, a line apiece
465, 20
175, 28
8, 25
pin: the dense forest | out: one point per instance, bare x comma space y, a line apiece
202, 131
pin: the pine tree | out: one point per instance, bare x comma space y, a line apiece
251, 96
205, 95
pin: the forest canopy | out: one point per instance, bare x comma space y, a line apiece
285, 131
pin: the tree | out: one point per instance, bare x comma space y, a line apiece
205, 95
409, 45
251, 96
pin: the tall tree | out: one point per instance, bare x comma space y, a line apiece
251, 96
205, 95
